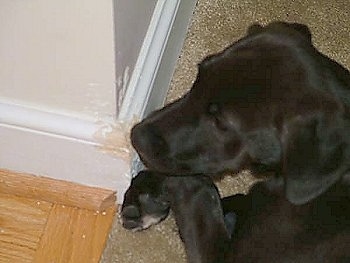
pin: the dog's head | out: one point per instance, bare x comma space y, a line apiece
270, 99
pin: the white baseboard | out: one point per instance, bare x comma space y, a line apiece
59, 147
158, 55
66, 148
155, 66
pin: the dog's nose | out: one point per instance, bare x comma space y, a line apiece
148, 140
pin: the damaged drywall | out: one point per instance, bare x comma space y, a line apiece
114, 139
122, 82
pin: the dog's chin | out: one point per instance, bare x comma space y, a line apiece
170, 169
157, 164
179, 168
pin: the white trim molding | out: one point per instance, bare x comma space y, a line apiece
155, 65
59, 147
156, 62
21, 117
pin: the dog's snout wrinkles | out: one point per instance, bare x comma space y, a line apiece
147, 139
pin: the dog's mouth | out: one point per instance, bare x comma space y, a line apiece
155, 163
179, 167
168, 166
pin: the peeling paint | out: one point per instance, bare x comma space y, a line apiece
122, 82
114, 139
97, 106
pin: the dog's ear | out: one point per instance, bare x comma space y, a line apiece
254, 28
315, 156
301, 28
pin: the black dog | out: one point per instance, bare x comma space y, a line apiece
271, 102
262, 226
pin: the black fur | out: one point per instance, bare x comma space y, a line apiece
262, 226
271, 102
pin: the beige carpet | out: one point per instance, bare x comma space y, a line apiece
216, 24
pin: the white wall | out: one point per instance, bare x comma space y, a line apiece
59, 56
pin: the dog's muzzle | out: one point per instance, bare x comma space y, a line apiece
148, 141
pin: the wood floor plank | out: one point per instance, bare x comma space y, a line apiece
55, 191
74, 235
22, 222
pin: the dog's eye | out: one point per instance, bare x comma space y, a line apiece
213, 108
214, 111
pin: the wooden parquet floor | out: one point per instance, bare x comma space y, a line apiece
38, 231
